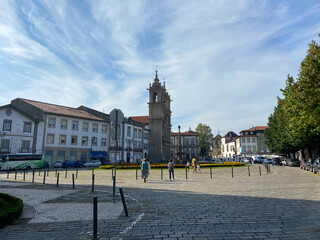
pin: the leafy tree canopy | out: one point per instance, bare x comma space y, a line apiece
205, 138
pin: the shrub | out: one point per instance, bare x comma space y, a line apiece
165, 165
11, 208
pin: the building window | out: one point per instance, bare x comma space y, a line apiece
244, 149
192, 141
253, 140
103, 142
128, 131
75, 125
95, 127
145, 136
135, 133
25, 146
94, 141
50, 138
104, 129
74, 140
84, 141
139, 133
249, 148
83, 157
85, 127
254, 148
5, 143
7, 125
27, 127
262, 149
63, 124
243, 140
248, 140
61, 155
73, 155
51, 123
62, 139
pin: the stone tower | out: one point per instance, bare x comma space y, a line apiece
159, 121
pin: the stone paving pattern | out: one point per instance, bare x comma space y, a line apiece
284, 204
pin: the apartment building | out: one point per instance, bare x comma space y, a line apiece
189, 142
65, 133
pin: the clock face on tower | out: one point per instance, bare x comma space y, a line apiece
8, 112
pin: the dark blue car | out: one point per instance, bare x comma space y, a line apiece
69, 164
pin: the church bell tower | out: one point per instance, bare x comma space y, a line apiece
159, 121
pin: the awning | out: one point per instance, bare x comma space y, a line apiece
99, 154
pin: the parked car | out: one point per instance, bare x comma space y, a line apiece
267, 161
94, 163
293, 162
276, 161
284, 162
258, 159
69, 164
58, 164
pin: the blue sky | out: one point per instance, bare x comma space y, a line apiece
223, 61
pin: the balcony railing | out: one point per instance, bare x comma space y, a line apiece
114, 148
5, 150
25, 150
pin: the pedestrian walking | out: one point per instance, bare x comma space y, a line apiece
144, 170
149, 166
194, 164
188, 166
198, 167
171, 169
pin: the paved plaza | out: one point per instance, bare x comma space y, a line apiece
284, 204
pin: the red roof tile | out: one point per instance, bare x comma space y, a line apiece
62, 110
142, 119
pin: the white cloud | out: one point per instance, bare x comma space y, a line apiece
224, 61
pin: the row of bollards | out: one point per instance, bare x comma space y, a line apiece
211, 172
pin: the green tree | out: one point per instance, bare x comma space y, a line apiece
295, 123
205, 138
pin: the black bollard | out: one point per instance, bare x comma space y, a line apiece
211, 172
66, 173
24, 175
92, 188
112, 174
44, 177
260, 170
8, 174
232, 171
58, 179
161, 173
114, 189
248, 171
48, 172
73, 181
186, 173
77, 173
267, 168
33, 176
124, 202
136, 173
15, 175
39, 172
95, 217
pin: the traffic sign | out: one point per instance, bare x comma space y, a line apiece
114, 114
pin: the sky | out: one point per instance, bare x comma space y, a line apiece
223, 61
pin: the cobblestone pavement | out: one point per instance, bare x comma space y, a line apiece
284, 204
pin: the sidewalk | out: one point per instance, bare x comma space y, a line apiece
280, 205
